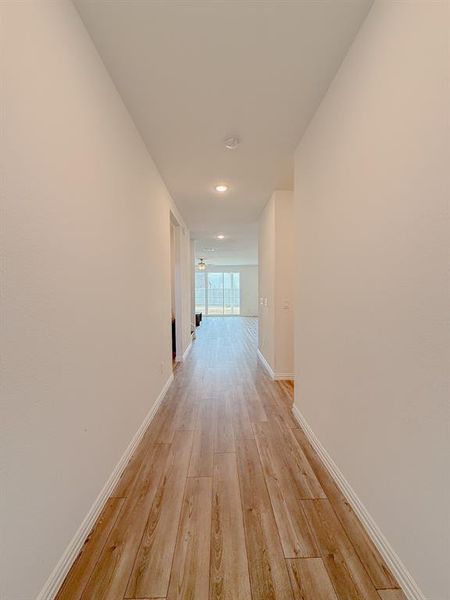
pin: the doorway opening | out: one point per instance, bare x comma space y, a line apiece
175, 288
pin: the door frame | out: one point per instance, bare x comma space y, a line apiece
175, 256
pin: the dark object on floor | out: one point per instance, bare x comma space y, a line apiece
198, 319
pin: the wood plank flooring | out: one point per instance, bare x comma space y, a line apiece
225, 499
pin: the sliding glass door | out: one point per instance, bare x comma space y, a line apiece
217, 293
231, 294
214, 293
200, 293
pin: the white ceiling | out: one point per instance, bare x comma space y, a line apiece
239, 247
192, 72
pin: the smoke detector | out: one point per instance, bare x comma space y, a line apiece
232, 142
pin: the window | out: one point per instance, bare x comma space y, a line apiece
231, 294
200, 293
217, 293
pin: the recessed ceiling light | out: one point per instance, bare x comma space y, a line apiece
221, 188
220, 236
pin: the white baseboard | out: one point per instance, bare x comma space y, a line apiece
400, 572
274, 375
59, 573
186, 352
284, 376
266, 365
182, 357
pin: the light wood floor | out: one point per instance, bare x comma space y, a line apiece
225, 498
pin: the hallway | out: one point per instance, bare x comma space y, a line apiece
225, 498
281, 169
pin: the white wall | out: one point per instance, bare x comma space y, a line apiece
192, 281
248, 282
372, 190
186, 258
276, 287
266, 298
181, 267
284, 282
86, 287
249, 289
